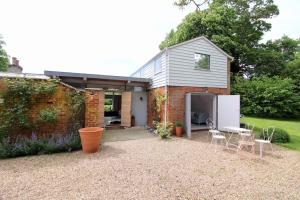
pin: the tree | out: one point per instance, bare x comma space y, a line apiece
292, 70
183, 3
272, 57
267, 96
236, 26
3, 56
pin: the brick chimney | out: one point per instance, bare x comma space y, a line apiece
14, 67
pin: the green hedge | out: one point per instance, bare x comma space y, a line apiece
267, 96
279, 136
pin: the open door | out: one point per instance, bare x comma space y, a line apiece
187, 124
126, 109
228, 111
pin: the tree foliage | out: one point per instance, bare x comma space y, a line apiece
198, 4
236, 26
271, 58
3, 56
267, 96
292, 70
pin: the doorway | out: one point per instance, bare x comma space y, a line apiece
139, 108
203, 108
112, 109
222, 110
199, 108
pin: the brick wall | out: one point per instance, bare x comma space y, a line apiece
150, 105
126, 109
59, 100
176, 101
94, 108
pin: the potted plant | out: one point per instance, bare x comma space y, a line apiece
178, 128
90, 139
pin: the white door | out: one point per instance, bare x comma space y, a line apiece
228, 111
187, 124
139, 108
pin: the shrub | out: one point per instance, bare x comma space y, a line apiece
163, 130
10, 148
279, 136
268, 97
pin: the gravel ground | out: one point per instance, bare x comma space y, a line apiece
150, 168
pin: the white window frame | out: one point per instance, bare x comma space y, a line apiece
201, 54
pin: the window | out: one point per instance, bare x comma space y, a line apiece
142, 72
202, 61
157, 66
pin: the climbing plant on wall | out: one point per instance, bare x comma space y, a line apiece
77, 108
158, 101
18, 98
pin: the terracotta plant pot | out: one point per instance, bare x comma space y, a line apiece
90, 139
178, 131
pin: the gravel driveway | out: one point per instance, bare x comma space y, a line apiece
149, 168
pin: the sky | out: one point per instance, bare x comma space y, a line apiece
100, 36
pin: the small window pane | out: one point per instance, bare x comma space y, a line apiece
157, 67
202, 61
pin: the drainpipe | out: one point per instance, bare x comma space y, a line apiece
166, 87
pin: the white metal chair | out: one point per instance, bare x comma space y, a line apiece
210, 126
218, 136
249, 133
250, 127
215, 134
247, 140
267, 139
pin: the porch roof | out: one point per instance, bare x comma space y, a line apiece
83, 80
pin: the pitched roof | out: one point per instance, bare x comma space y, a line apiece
183, 43
204, 38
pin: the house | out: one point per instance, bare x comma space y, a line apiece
193, 75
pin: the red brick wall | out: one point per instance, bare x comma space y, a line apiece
59, 100
94, 108
126, 109
150, 105
176, 99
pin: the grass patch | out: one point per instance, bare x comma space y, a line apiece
292, 126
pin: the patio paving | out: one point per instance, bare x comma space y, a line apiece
134, 133
150, 168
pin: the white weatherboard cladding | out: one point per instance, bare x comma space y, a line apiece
158, 79
182, 62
